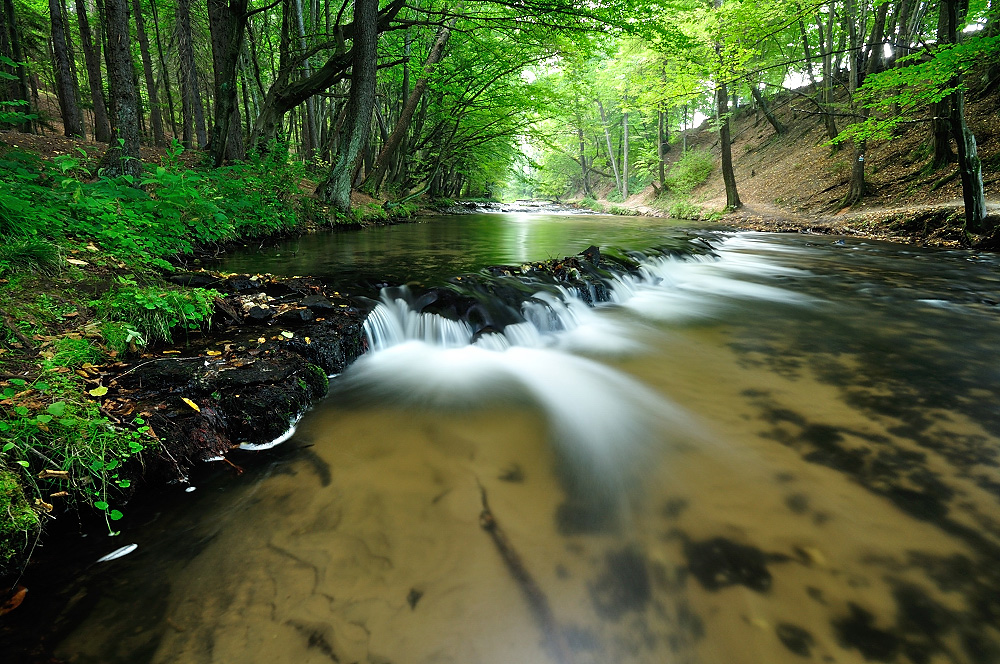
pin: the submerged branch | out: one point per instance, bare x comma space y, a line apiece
537, 600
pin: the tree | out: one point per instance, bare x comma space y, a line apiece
69, 101
155, 118
122, 157
91, 55
336, 188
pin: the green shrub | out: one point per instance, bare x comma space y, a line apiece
153, 312
29, 256
691, 170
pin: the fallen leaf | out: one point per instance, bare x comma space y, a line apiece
14, 600
308, 341
98, 391
286, 334
213, 353
46, 474
171, 352
191, 403
261, 340
76, 261
48, 507
58, 494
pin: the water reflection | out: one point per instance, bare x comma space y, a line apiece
805, 470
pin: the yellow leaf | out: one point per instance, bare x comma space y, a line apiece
308, 341
213, 353
261, 340
171, 352
191, 403
76, 261
98, 391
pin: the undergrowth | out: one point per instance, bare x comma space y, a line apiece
81, 263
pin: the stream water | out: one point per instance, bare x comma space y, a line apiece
782, 450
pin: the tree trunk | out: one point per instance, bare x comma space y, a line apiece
227, 23
102, 125
434, 56
20, 89
69, 103
969, 164
611, 152
625, 153
155, 119
725, 143
940, 129
662, 145
583, 158
122, 157
191, 108
166, 72
310, 123
826, 89
762, 104
336, 189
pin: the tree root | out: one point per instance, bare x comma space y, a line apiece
537, 599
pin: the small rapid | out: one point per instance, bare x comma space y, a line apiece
604, 424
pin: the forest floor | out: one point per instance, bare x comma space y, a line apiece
795, 182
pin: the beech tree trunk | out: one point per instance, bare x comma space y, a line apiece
725, 143
611, 152
69, 102
336, 189
762, 104
969, 164
122, 157
155, 118
102, 125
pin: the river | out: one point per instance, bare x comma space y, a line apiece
784, 449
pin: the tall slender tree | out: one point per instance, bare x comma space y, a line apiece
91, 55
67, 90
155, 117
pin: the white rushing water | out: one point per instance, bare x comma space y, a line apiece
601, 420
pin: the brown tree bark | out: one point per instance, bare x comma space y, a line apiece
779, 128
122, 157
165, 70
91, 55
336, 189
69, 102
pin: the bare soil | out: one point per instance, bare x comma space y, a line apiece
795, 182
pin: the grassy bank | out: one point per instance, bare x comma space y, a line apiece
83, 261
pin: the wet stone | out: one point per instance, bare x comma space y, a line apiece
858, 631
623, 585
718, 563
795, 638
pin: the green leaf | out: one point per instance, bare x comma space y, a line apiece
124, 483
111, 465
114, 515
7, 447
41, 387
18, 381
44, 419
21, 411
98, 391
57, 408
23, 464
101, 505
96, 465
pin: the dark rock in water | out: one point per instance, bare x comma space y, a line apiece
719, 562
296, 316
577, 517
318, 303
623, 586
858, 631
259, 314
195, 279
795, 638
